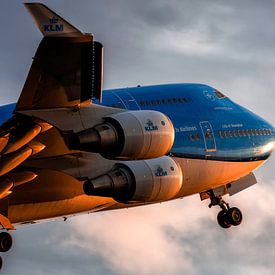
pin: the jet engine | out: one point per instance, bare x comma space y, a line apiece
128, 135
150, 180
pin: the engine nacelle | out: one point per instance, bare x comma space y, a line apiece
128, 135
151, 180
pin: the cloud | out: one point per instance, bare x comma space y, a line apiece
182, 237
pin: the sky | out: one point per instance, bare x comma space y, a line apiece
226, 44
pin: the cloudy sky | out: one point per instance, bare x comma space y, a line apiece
227, 44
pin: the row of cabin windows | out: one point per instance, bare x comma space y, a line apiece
235, 133
164, 101
243, 133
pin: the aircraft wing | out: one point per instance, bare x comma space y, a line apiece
57, 137
66, 72
67, 67
50, 23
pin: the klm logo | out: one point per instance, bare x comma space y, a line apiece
53, 26
160, 172
150, 126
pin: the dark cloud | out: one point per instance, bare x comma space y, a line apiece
227, 44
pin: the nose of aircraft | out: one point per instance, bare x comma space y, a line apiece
268, 142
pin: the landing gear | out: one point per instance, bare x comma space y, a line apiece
228, 215
5, 244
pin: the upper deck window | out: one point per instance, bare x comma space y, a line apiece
219, 94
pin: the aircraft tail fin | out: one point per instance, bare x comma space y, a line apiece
50, 23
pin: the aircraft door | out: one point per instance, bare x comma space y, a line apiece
208, 136
129, 101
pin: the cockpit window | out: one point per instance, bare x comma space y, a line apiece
219, 94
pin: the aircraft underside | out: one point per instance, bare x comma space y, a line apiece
65, 198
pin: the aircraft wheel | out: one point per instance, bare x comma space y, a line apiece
234, 216
223, 219
5, 242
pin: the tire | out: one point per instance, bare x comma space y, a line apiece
5, 242
223, 220
235, 216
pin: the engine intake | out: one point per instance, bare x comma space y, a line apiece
151, 180
128, 135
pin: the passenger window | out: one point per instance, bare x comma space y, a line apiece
256, 132
248, 132
226, 134
185, 100
163, 101
147, 102
158, 102
230, 134
153, 102
141, 103
175, 100
240, 134
179, 100
235, 133
197, 137
270, 131
192, 137
169, 100
221, 136
244, 133
261, 132
253, 132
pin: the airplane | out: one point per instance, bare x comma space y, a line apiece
68, 147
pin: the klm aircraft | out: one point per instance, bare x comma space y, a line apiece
68, 148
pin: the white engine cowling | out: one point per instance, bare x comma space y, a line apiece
129, 135
151, 180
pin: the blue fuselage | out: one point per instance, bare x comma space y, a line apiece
207, 124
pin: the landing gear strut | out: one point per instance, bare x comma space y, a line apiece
5, 244
228, 215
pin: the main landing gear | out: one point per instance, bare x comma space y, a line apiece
228, 215
5, 244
